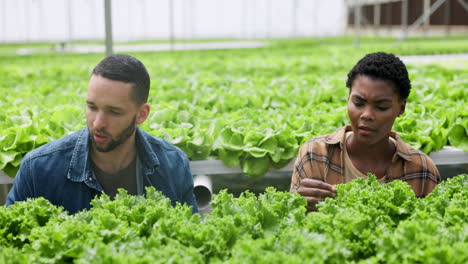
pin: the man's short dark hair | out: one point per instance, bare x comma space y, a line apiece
128, 69
383, 66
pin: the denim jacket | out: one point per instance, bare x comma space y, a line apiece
60, 171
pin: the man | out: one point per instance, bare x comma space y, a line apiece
378, 88
112, 152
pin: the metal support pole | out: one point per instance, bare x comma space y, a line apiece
108, 23
389, 19
171, 25
42, 23
294, 17
28, 21
315, 11
193, 16
447, 17
244, 19
426, 8
377, 15
357, 23
404, 15
70, 21
419, 21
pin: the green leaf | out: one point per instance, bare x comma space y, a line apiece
230, 157
254, 167
458, 137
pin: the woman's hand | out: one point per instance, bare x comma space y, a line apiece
315, 191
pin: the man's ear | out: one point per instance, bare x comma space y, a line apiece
402, 107
143, 113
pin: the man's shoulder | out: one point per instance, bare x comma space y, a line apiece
161, 145
66, 143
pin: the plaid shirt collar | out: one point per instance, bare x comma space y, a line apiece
338, 137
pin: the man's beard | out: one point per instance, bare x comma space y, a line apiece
114, 143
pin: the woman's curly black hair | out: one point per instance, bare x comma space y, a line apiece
382, 66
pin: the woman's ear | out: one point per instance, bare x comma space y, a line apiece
402, 107
143, 113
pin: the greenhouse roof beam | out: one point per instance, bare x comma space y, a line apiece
352, 3
464, 4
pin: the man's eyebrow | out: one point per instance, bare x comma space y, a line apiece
111, 107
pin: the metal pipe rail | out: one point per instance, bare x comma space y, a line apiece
447, 156
210, 176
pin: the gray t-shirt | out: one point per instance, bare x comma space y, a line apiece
125, 179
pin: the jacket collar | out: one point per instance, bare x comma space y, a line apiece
338, 137
80, 168
145, 152
80, 163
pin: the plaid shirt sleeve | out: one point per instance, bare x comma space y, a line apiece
313, 162
421, 173
298, 172
304, 165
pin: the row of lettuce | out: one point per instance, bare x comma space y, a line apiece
367, 222
252, 108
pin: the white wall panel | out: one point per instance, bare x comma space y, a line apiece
64, 20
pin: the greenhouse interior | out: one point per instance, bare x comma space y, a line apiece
249, 131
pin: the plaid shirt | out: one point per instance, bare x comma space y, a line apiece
321, 158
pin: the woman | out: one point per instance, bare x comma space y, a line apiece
378, 88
